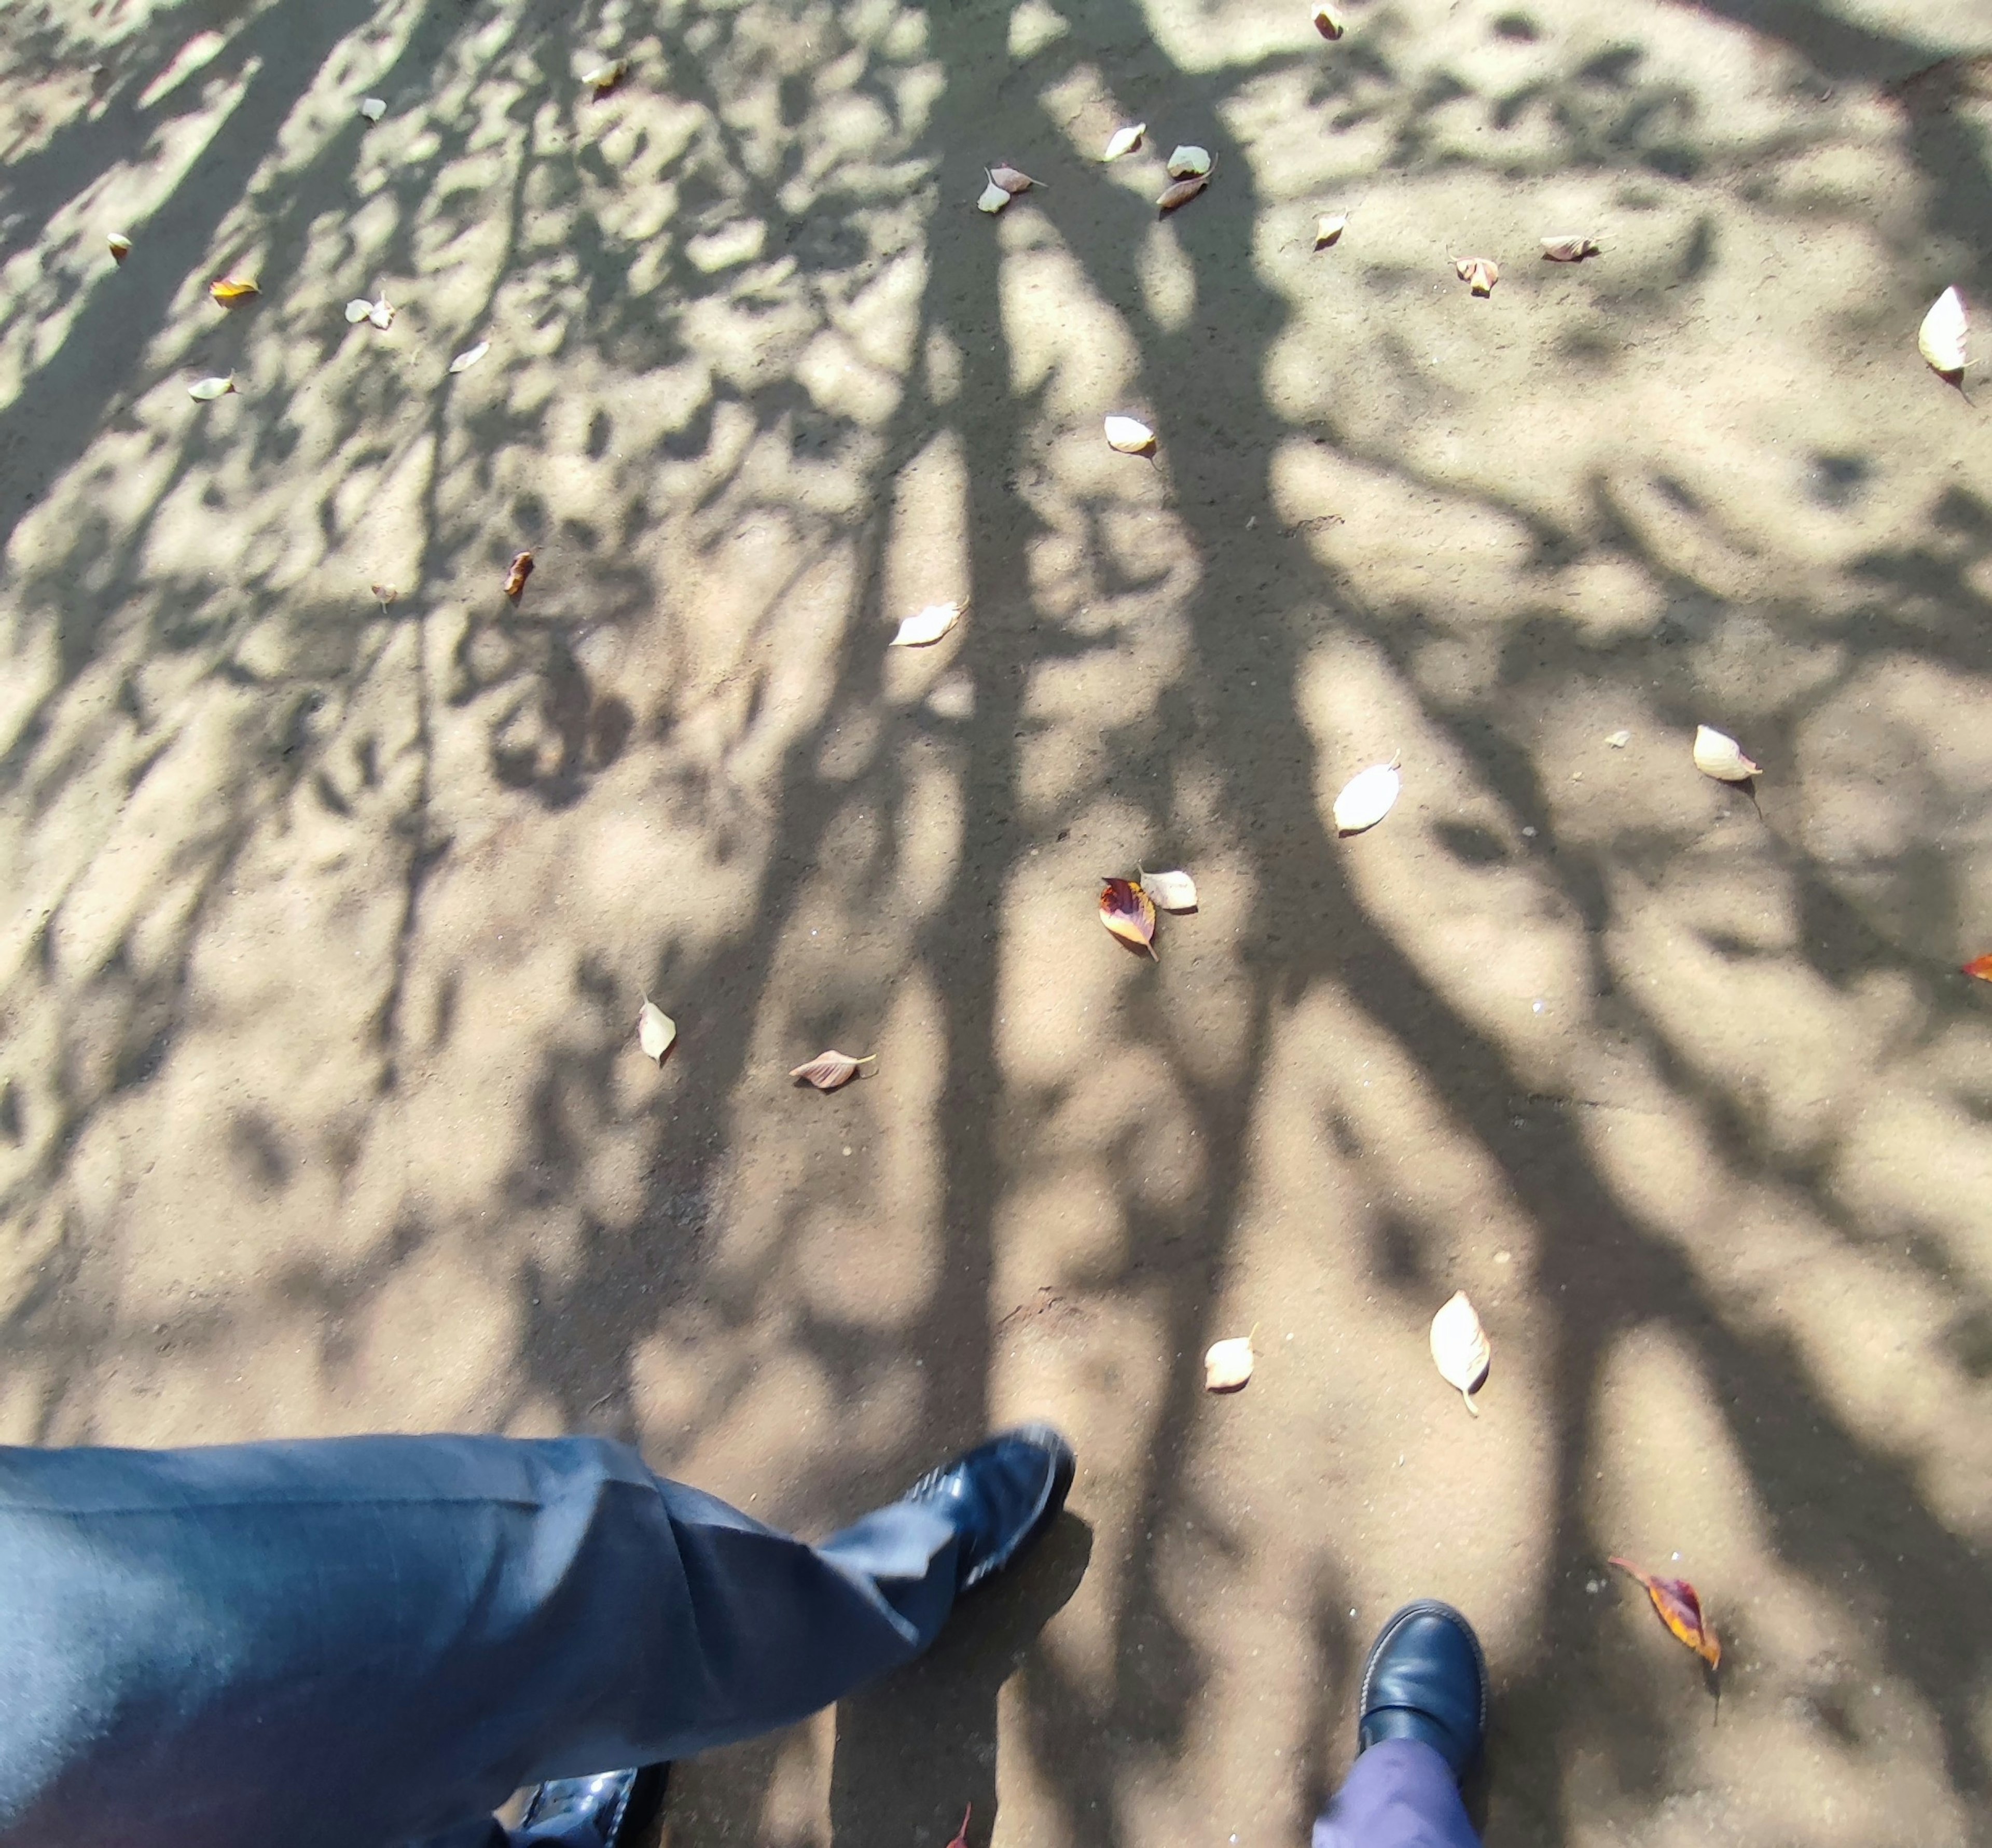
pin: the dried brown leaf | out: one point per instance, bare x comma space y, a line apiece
1009, 179
1479, 274
1679, 1608
228, 290
1129, 913
605, 77
1327, 21
515, 578
121, 245
1568, 249
828, 1070
1183, 191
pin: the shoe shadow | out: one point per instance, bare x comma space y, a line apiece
915, 1749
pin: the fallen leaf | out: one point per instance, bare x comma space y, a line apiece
1981, 966
384, 593
1479, 274
1188, 161
1327, 21
1459, 1347
993, 199
1172, 892
469, 356
1618, 740
1228, 1365
1124, 140
1718, 754
604, 77
1679, 1609
1129, 435
372, 107
655, 1030
1944, 332
206, 389
121, 245
520, 569
828, 1070
357, 311
228, 290
1367, 797
1009, 179
382, 314
961, 1835
926, 625
1129, 913
1183, 191
1328, 226
1568, 249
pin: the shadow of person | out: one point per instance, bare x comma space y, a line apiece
916, 1749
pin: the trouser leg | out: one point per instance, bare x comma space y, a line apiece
373, 1641
1400, 1794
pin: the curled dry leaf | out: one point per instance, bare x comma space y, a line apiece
469, 356
1327, 227
1228, 1365
1327, 21
926, 625
1009, 179
1367, 797
384, 594
1182, 192
1945, 332
655, 1030
357, 311
1568, 249
228, 290
1479, 274
828, 1070
1130, 435
1981, 966
1459, 1347
372, 107
1129, 913
993, 199
516, 573
207, 389
1172, 892
1679, 1609
1124, 140
382, 314
1718, 754
1188, 161
121, 245
961, 1834
604, 77
1618, 740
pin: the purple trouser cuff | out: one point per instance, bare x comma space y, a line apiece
1400, 1794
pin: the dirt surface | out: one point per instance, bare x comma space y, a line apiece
327, 920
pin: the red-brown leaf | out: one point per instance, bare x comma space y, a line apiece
515, 578
1679, 1609
1183, 191
961, 1836
1129, 913
1981, 966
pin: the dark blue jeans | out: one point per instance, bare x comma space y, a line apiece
370, 1642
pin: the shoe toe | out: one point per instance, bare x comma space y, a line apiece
1426, 1679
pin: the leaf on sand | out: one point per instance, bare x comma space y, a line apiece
206, 389
828, 1070
121, 245
1981, 966
604, 77
655, 1030
961, 1834
516, 573
1130, 435
1124, 140
1129, 913
384, 594
1479, 274
1459, 1347
357, 311
1367, 797
1618, 740
1568, 249
382, 314
469, 356
228, 290
1188, 162
1327, 21
372, 107
1183, 191
926, 625
1946, 330
1228, 1365
1009, 179
993, 199
1679, 1609
1172, 892
1327, 227
1718, 754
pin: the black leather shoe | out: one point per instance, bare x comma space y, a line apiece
1000, 1496
1426, 1679
610, 1808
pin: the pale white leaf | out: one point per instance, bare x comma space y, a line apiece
372, 107
1327, 21
207, 389
993, 199
1718, 754
1618, 740
1228, 1365
357, 311
121, 245
1569, 248
926, 625
655, 1031
382, 314
1366, 798
828, 1070
1172, 892
1459, 1347
1327, 227
465, 360
1124, 140
1944, 331
1129, 435
1188, 162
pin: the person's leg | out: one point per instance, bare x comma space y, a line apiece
1400, 1794
372, 1641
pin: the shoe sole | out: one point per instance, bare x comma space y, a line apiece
1424, 1607
1065, 1466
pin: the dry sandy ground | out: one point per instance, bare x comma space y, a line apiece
327, 923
